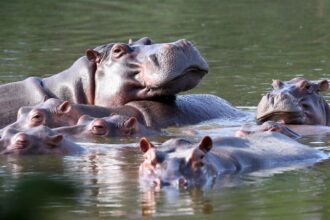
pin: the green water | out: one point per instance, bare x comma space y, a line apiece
247, 44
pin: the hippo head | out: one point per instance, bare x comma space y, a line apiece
297, 101
37, 140
143, 70
112, 126
184, 169
51, 113
267, 126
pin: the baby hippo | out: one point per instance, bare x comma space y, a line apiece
113, 126
191, 164
37, 140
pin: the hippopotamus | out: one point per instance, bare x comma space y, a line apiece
90, 128
184, 110
112, 75
187, 163
37, 140
268, 126
297, 101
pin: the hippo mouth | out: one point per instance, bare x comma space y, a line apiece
283, 117
184, 81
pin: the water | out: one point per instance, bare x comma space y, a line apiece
247, 44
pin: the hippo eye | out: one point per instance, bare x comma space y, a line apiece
202, 157
118, 50
37, 117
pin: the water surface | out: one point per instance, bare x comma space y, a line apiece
247, 44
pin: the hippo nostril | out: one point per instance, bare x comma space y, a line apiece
182, 182
21, 140
99, 127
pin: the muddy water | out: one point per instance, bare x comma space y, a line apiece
247, 44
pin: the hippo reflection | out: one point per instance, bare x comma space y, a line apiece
188, 164
297, 101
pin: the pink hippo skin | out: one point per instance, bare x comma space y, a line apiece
112, 75
184, 110
112, 126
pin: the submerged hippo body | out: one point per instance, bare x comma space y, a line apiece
112, 75
184, 110
89, 128
198, 164
297, 101
37, 140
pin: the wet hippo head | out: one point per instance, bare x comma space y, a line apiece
267, 126
144, 70
52, 113
183, 169
297, 101
37, 140
112, 126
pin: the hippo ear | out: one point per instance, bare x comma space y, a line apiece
323, 86
130, 123
53, 141
206, 144
64, 107
93, 56
84, 118
145, 144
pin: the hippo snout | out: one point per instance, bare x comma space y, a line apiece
99, 127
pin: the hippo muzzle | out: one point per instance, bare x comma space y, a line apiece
173, 67
280, 107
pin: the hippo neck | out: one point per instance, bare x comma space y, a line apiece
76, 84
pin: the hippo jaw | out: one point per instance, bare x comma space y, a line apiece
280, 108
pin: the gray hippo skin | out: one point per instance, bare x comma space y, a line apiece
183, 163
297, 101
89, 128
268, 126
184, 110
112, 75
37, 140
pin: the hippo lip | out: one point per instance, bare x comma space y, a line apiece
287, 117
192, 73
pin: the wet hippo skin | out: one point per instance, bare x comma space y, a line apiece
112, 75
184, 110
180, 162
89, 128
297, 101
37, 140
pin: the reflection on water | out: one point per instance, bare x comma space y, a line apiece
247, 44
